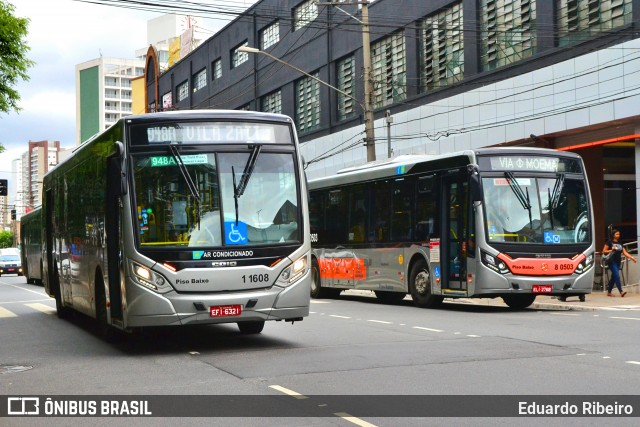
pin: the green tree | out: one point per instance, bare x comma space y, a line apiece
6, 239
13, 56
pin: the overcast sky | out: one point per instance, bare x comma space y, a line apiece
63, 33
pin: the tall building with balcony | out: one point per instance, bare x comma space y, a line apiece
35, 163
103, 94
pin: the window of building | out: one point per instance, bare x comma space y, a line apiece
346, 76
272, 103
580, 19
307, 104
442, 52
200, 80
182, 90
246, 107
216, 66
270, 35
507, 31
389, 70
304, 13
238, 57
110, 81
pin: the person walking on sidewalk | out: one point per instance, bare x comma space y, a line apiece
614, 250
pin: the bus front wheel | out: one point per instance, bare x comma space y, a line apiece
420, 286
63, 312
317, 291
254, 327
519, 302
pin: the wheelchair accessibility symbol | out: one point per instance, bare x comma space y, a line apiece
235, 234
549, 237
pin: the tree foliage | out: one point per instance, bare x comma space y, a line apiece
13, 56
6, 239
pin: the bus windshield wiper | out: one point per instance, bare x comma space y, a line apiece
238, 190
193, 188
521, 196
557, 190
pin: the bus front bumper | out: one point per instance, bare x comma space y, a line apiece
148, 308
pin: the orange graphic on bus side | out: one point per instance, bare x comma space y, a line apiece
342, 268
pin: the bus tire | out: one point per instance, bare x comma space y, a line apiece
519, 302
388, 297
62, 311
253, 327
105, 330
317, 291
420, 286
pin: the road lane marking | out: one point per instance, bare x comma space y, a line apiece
24, 301
354, 420
320, 302
42, 294
42, 308
566, 314
625, 318
473, 336
380, 321
633, 362
428, 329
288, 392
339, 317
6, 313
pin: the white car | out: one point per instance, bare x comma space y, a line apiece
10, 264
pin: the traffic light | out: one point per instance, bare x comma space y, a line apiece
13, 214
3, 187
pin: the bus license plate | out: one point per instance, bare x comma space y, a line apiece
542, 289
225, 310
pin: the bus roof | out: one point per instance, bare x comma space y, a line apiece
390, 167
207, 114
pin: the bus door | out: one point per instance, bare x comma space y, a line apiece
455, 210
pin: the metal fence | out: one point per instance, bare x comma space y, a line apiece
629, 274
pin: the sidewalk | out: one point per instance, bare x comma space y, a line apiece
594, 301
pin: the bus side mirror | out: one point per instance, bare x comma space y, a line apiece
474, 183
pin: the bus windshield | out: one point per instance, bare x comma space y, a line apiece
536, 210
237, 198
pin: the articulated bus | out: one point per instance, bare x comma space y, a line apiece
31, 245
504, 222
181, 218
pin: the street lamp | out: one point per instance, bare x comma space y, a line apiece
366, 107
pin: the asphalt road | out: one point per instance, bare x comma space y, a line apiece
347, 347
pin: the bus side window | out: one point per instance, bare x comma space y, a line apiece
381, 208
403, 190
425, 223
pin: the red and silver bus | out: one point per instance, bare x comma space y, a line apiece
503, 222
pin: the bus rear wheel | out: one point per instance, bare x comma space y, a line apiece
519, 302
254, 327
420, 286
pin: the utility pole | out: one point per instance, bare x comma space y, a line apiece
370, 137
367, 104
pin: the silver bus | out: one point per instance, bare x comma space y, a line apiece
505, 222
31, 245
181, 218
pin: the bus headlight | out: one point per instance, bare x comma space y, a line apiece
149, 278
294, 272
585, 265
494, 263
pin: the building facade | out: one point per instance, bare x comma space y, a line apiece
445, 76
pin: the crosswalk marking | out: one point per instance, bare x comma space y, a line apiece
6, 313
42, 308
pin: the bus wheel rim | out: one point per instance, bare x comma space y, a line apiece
422, 283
